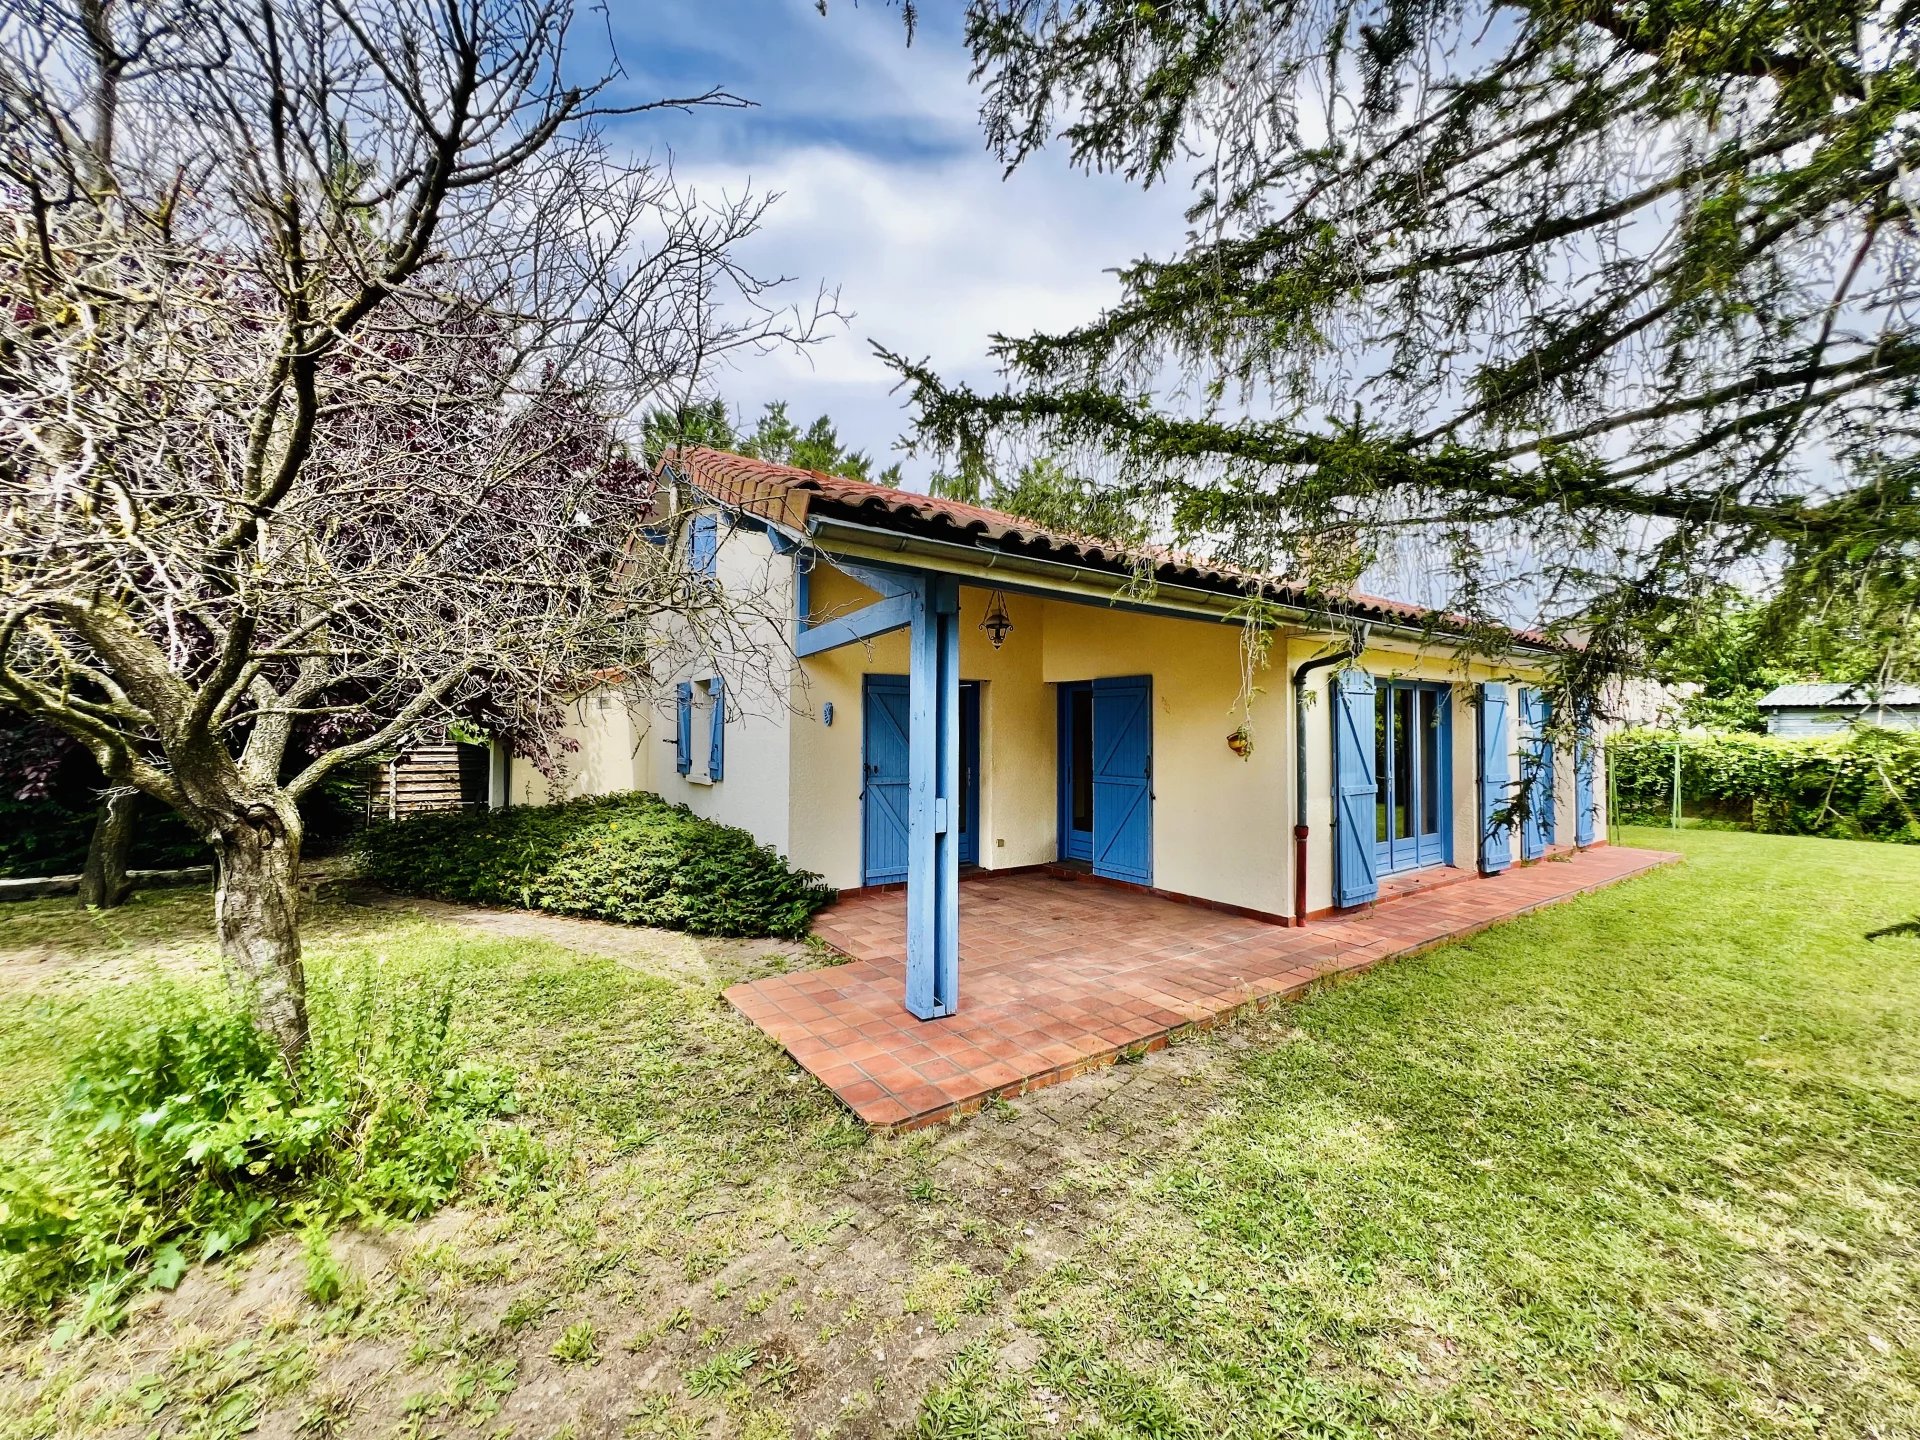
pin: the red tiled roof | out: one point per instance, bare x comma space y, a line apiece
788, 495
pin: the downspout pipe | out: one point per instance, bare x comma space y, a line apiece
1356, 642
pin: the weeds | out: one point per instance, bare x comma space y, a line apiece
325, 1279
579, 1344
177, 1137
721, 1373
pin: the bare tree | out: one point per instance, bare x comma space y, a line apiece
321, 318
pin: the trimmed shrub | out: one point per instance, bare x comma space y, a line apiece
177, 1135
1861, 785
631, 857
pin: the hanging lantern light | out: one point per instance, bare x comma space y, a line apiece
998, 623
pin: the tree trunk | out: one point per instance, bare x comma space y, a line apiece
104, 883
257, 912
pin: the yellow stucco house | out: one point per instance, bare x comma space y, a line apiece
966, 692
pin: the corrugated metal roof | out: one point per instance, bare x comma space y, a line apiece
788, 495
1850, 697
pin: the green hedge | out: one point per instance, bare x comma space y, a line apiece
1862, 785
49, 837
631, 857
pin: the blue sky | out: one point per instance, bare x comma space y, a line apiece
887, 191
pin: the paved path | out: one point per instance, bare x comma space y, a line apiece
1059, 976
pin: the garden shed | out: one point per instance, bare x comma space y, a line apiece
1828, 709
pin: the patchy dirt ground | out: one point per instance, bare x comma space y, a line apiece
825, 1293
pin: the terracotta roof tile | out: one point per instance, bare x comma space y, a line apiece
788, 495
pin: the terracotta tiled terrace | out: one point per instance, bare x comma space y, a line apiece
1058, 976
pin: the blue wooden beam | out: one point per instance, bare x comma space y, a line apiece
933, 797
893, 613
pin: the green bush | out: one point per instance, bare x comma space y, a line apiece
42, 837
1861, 785
178, 1136
631, 857
49, 837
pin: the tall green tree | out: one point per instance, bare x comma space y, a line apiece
1626, 287
1048, 493
774, 436
1732, 648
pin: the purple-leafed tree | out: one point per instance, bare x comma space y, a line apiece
32, 757
320, 322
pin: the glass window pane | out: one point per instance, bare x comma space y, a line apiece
967, 714
1081, 724
1404, 735
1430, 762
1382, 718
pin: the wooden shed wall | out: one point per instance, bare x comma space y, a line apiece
1802, 720
430, 777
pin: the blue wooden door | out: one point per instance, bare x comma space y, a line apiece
883, 794
883, 797
1583, 790
1496, 844
1359, 824
1123, 779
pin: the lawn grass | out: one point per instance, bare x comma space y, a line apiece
1643, 1164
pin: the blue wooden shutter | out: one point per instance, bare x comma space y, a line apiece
717, 730
1539, 830
1548, 800
683, 727
1356, 789
703, 545
1583, 789
1496, 844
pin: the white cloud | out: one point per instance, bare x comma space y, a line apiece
888, 193
932, 259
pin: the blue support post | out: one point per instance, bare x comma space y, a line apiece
933, 790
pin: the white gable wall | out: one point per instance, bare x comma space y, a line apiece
621, 742
754, 787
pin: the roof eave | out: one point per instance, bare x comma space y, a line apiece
986, 563
1081, 567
